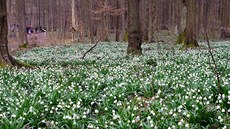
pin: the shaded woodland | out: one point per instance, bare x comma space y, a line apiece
126, 64
81, 20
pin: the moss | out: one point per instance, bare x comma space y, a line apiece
125, 37
132, 51
24, 45
24, 64
21, 64
16, 63
181, 38
2, 65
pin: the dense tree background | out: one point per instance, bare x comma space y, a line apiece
92, 19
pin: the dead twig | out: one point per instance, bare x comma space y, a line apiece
83, 57
215, 68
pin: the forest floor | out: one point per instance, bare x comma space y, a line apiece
164, 88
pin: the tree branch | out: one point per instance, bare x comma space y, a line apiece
83, 57
215, 68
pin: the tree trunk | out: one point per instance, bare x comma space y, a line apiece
5, 58
73, 19
4, 53
224, 18
21, 21
134, 31
190, 39
151, 11
117, 24
90, 29
123, 20
145, 20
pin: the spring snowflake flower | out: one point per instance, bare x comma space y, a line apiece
223, 110
68, 117
90, 126
153, 113
96, 111
106, 109
13, 115
149, 118
187, 125
180, 123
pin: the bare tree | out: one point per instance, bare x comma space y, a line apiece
134, 30
21, 21
5, 58
89, 13
117, 22
190, 38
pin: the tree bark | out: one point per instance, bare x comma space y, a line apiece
151, 18
90, 29
5, 58
134, 30
190, 39
21, 21
73, 19
145, 23
117, 23
4, 53
123, 19
224, 18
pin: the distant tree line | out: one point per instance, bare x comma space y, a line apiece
103, 18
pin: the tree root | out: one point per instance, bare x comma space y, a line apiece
20, 64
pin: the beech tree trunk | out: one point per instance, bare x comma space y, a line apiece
145, 20
225, 19
73, 19
5, 58
90, 29
117, 23
134, 30
190, 39
21, 21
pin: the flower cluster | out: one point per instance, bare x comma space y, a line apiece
165, 88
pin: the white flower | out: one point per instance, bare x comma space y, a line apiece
106, 108
219, 117
174, 114
133, 121
180, 123
67, 117
187, 125
13, 115
223, 110
137, 119
96, 111
149, 118
90, 126
115, 117
153, 113
151, 125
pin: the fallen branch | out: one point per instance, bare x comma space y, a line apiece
215, 68
83, 57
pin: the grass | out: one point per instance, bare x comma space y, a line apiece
165, 88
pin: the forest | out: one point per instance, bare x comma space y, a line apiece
116, 64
